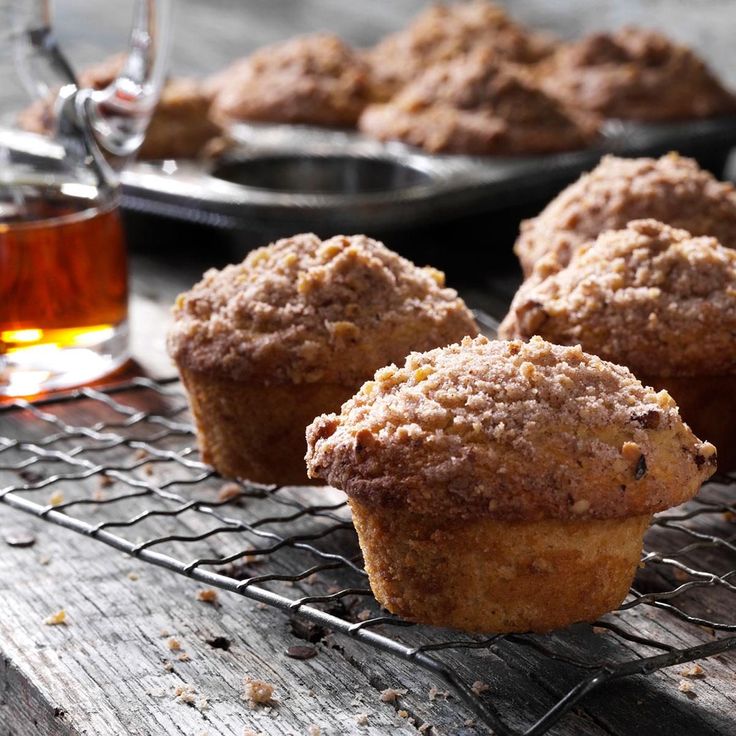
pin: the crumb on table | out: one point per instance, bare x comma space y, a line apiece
686, 687
207, 595
694, 670
173, 643
56, 498
391, 695
257, 692
362, 719
479, 687
56, 619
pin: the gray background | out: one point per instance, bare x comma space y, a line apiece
208, 34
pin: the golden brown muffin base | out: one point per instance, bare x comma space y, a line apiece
708, 405
496, 576
253, 431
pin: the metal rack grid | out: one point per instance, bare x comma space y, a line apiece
161, 505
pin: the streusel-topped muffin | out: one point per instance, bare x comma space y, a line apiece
265, 345
505, 486
635, 74
180, 127
477, 104
671, 189
314, 79
445, 32
657, 300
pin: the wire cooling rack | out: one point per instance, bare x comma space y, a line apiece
120, 465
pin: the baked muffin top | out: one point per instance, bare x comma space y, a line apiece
671, 189
444, 32
636, 74
303, 310
511, 430
651, 297
314, 79
478, 104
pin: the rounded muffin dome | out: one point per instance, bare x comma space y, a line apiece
510, 430
671, 189
651, 297
304, 310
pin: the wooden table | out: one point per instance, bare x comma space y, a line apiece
105, 672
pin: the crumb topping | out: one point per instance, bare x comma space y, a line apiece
315, 79
304, 310
478, 104
444, 32
671, 189
650, 297
510, 430
637, 74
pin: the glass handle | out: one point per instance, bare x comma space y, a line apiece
119, 114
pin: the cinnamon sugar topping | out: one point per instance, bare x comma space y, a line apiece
303, 310
509, 429
651, 297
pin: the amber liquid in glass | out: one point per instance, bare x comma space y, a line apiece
63, 292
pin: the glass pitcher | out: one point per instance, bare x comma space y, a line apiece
63, 271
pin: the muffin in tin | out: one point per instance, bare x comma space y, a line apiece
477, 104
180, 127
266, 345
657, 300
505, 486
672, 189
635, 74
315, 79
444, 32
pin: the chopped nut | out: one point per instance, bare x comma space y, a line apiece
389, 695
173, 643
257, 692
207, 595
56, 619
479, 687
695, 670
228, 492
362, 719
630, 452
56, 498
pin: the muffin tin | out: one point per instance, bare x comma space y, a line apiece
287, 178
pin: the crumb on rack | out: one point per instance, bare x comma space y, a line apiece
105, 480
362, 719
44, 560
148, 468
98, 495
56, 619
470, 722
479, 687
140, 454
600, 630
56, 498
229, 492
173, 643
680, 575
207, 595
686, 687
391, 695
257, 692
695, 670
133, 576
363, 615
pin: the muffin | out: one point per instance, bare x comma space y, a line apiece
671, 189
657, 300
444, 32
266, 345
315, 80
477, 104
179, 128
505, 486
635, 74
